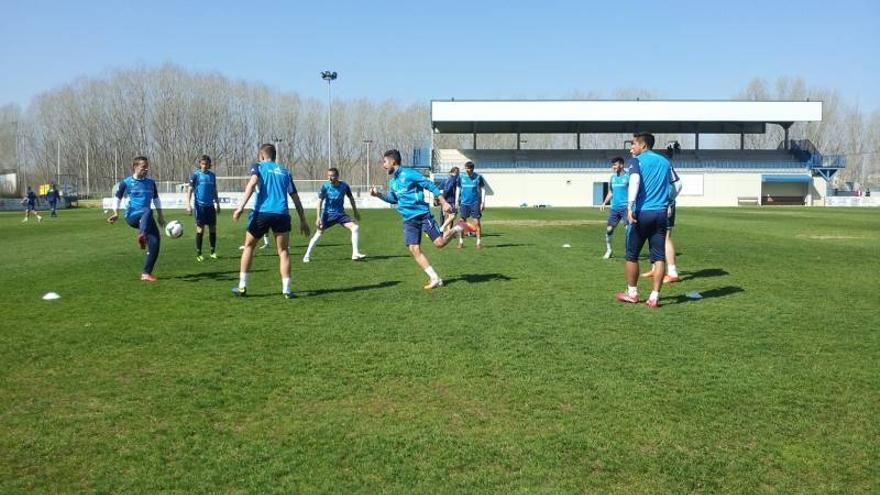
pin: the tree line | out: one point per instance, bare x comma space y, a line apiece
90, 129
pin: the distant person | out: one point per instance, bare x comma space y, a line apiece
207, 205
30, 201
406, 189
142, 192
449, 190
275, 184
867, 193
331, 211
53, 196
647, 203
617, 192
472, 200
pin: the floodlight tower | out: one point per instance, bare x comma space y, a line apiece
329, 77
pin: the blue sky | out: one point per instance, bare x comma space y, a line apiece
416, 51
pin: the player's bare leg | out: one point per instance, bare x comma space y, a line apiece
282, 244
434, 280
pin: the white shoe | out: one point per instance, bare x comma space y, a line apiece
264, 246
358, 256
241, 248
607, 255
306, 259
433, 284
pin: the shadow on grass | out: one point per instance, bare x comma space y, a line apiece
709, 294
356, 288
208, 275
490, 246
477, 278
705, 273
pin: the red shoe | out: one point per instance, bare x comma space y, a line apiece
624, 297
670, 279
147, 277
466, 227
142, 241
653, 303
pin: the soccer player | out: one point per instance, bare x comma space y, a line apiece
647, 201
275, 183
407, 191
53, 196
30, 201
671, 270
332, 198
449, 189
619, 183
207, 205
472, 200
141, 191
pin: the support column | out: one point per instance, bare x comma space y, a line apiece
518, 142
785, 128
475, 140
579, 140
697, 141
742, 141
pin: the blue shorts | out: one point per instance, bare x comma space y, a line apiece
205, 215
650, 226
471, 211
616, 216
328, 221
671, 220
413, 228
31, 207
261, 223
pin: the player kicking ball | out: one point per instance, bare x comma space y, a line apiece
141, 191
406, 189
30, 202
270, 211
204, 183
332, 198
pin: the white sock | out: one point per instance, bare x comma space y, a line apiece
457, 229
478, 241
285, 285
671, 271
242, 280
608, 240
312, 244
265, 240
632, 291
431, 273
654, 295
355, 238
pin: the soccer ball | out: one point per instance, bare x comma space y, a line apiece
174, 229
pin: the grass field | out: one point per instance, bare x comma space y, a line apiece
522, 375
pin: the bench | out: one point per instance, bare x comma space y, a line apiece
783, 200
748, 200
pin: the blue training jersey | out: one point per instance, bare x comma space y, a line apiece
204, 185
407, 190
619, 189
471, 188
450, 185
31, 197
334, 198
275, 184
141, 193
656, 177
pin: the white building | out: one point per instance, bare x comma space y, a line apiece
794, 174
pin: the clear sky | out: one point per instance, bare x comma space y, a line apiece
416, 50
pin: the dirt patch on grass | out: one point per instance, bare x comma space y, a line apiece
543, 223
825, 237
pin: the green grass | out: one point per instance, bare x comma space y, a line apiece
522, 375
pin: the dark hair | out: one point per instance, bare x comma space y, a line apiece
206, 159
137, 159
646, 138
333, 169
453, 169
394, 155
617, 159
468, 164
269, 150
